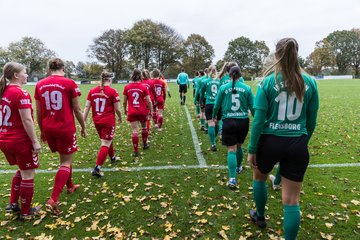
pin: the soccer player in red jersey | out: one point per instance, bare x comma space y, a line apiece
18, 139
57, 100
145, 75
158, 89
104, 102
137, 110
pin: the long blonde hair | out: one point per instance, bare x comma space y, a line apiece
287, 63
212, 72
9, 70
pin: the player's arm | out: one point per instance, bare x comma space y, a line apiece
251, 103
125, 104
217, 104
149, 104
117, 111
86, 109
28, 123
78, 114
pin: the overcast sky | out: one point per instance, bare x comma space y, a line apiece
69, 26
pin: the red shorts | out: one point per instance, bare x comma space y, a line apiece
160, 104
63, 142
105, 131
20, 153
138, 117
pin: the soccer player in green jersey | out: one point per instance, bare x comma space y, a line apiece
195, 85
235, 99
208, 91
203, 76
286, 107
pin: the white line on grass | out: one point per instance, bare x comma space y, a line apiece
180, 167
199, 154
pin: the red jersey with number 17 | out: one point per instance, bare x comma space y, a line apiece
136, 93
55, 94
11, 127
102, 104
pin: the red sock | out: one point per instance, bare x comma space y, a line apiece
111, 151
160, 121
26, 194
148, 124
69, 182
154, 117
61, 178
15, 188
102, 155
135, 141
144, 135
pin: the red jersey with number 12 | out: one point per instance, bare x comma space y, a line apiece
55, 94
136, 93
11, 127
102, 104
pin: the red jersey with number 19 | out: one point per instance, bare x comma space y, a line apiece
55, 94
11, 127
102, 104
136, 93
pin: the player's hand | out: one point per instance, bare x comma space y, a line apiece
119, 120
42, 137
83, 132
36, 147
252, 160
169, 95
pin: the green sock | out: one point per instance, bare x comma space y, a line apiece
202, 122
291, 221
239, 156
206, 125
211, 132
277, 180
216, 130
197, 109
231, 160
260, 197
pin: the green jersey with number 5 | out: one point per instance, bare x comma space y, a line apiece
286, 115
234, 105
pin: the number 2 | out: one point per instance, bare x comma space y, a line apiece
4, 121
136, 96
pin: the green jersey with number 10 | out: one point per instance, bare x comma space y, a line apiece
286, 115
234, 105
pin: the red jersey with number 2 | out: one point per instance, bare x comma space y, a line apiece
55, 94
102, 104
136, 93
11, 127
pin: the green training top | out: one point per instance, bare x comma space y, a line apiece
195, 82
209, 90
234, 105
199, 85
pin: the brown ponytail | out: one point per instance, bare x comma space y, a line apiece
136, 75
287, 62
105, 76
9, 70
234, 74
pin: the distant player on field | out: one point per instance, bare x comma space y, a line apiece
183, 82
286, 107
105, 103
137, 105
57, 100
158, 89
18, 140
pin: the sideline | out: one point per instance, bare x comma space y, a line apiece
179, 167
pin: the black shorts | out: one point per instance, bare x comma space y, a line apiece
291, 152
209, 111
234, 131
182, 88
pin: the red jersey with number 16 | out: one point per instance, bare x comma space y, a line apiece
102, 104
11, 127
55, 94
136, 93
